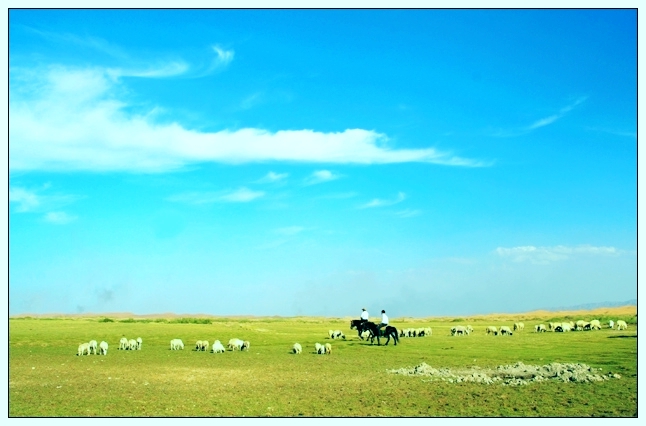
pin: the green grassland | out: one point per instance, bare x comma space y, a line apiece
46, 378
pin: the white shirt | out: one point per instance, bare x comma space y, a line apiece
364, 315
384, 319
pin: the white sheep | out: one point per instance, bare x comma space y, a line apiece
202, 345
492, 330
338, 334
139, 343
505, 330
611, 324
245, 345
428, 331
365, 334
235, 344
563, 327
217, 347
297, 348
459, 329
539, 328
103, 348
320, 349
92, 344
580, 325
469, 329
519, 326
176, 344
621, 325
83, 348
132, 344
328, 348
330, 334
123, 343
595, 324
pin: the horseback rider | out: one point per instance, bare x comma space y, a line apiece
384, 321
364, 315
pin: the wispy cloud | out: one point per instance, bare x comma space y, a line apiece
378, 202
408, 213
224, 57
25, 200
272, 177
321, 176
73, 119
541, 122
241, 195
545, 255
38, 200
59, 218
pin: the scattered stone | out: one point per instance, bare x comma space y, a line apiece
517, 374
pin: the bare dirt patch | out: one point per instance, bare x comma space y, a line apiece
511, 375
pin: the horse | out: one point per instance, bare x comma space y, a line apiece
357, 324
388, 332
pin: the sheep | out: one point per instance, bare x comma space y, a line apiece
365, 334
132, 344
519, 326
235, 344
176, 344
563, 327
428, 331
320, 349
330, 334
611, 324
103, 348
245, 345
338, 334
621, 325
83, 348
595, 324
586, 326
580, 324
217, 347
139, 342
297, 348
92, 345
505, 330
553, 325
539, 328
123, 343
202, 345
469, 329
420, 332
328, 348
492, 330
459, 329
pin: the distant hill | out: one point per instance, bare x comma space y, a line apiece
588, 306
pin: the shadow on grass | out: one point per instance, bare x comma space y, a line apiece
623, 337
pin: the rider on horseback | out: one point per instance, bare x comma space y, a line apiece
384, 321
364, 315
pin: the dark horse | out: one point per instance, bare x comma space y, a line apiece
388, 332
357, 324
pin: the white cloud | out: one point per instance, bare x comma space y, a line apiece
26, 200
545, 255
551, 119
408, 213
224, 57
72, 119
321, 176
59, 218
378, 202
272, 177
241, 195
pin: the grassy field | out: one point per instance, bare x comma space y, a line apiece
46, 378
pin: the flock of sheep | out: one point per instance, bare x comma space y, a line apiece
558, 327
236, 344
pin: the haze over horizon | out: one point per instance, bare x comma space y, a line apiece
314, 162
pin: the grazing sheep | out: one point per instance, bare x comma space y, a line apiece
505, 330
217, 347
459, 330
330, 334
586, 326
83, 348
328, 348
139, 342
202, 345
320, 349
123, 343
235, 344
580, 324
297, 348
428, 331
132, 344
338, 334
245, 345
519, 326
563, 327
92, 345
611, 324
595, 324
469, 329
539, 328
176, 344
103, 348
553, 325
403, 332
621, 325
567, 326
492, 330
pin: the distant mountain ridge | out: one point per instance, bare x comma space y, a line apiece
587, 306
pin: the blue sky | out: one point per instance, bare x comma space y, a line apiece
302, 162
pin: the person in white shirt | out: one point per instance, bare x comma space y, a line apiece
364, 315
384, 320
